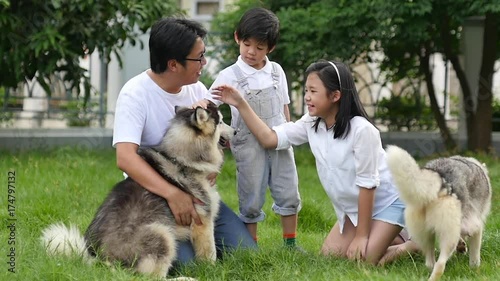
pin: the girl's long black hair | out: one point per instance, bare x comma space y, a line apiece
349, 103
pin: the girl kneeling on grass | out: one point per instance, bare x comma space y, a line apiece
350, 160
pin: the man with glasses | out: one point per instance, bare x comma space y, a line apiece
144, 109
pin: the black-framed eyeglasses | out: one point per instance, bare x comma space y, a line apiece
200, 60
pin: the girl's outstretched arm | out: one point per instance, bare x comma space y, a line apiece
265, 135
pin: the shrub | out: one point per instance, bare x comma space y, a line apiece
79, 114
401, 113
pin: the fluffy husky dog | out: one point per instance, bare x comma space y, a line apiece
136, 228
446, 200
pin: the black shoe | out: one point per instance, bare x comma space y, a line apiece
296, 249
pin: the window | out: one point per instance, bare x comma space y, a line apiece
204, 10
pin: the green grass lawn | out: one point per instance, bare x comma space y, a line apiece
67, 185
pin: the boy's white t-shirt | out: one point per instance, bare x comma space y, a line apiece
144, 110
257, 79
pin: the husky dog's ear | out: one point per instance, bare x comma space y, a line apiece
183, 110
200, 115
211, 104
176, 109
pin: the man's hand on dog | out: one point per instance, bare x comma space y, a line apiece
182, 206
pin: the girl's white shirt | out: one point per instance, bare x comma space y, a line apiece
344, 165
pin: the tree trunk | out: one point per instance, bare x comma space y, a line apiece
484, 110
468, 103
448, 140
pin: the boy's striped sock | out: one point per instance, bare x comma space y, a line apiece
290, 239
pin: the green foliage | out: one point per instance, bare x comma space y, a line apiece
79, 113
310, 30
40, 37
397, 37
5, 116
405, 113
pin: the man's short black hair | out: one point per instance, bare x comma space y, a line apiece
172, 38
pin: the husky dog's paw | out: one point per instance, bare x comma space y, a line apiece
204, 246
430, 262
207, 255
474, 263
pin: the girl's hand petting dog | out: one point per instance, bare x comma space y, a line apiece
228, 95
201, 103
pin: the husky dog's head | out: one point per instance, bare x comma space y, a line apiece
226, 131
203, 123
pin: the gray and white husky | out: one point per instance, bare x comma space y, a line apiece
136, 228
447, 200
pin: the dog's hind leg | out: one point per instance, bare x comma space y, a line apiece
158, 250
447, 247
475, 248
421, 234
426, 242
445, 218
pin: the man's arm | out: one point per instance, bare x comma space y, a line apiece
135, 167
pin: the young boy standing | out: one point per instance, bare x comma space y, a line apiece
263, 84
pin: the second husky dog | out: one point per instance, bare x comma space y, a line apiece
135, 227
446, 200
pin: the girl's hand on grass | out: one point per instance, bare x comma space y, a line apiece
357, 248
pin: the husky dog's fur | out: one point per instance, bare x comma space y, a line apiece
447, 200
136, 228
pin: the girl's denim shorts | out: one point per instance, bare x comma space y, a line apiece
393, 214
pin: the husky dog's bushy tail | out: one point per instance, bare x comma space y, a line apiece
59, 239
415, 185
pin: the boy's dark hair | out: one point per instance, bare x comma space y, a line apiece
349, 104
172, 38
260, 24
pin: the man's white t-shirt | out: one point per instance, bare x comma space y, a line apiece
344, 164
144, 110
